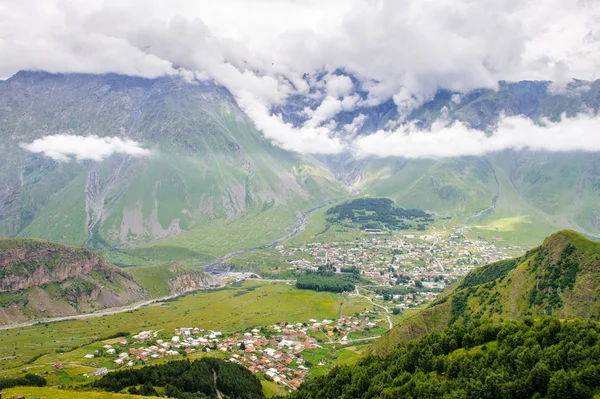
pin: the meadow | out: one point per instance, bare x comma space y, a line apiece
54, 393
255, 303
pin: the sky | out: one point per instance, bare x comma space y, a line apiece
261, 50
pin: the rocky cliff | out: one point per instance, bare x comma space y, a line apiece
28, 263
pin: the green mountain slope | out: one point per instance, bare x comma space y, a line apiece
521, 196
559, 278
209, 166
517, 196
545, 358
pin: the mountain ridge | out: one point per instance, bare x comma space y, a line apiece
210, 163
213, 174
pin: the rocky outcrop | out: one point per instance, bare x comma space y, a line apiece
193, 281
30, 263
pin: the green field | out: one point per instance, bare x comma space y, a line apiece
249, 230
54, 393
231, 309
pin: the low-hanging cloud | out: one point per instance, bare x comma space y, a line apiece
581, 133
66, 147
261, 51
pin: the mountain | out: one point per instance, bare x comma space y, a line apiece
43, 279
206, 187
214, 184
560, 278
516, 195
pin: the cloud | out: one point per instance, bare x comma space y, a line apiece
65, 147
339, 85
266, 50
581, 133
306, 139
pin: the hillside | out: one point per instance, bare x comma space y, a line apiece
40, 279
205, 378
527, 359
210, 170
43, 279
560, 278
215, 184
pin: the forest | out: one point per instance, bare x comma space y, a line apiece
377, 213
27, 380
186, 380
324, 280
530, 358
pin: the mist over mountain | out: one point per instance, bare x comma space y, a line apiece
117, 161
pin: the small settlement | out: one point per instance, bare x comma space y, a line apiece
277, 351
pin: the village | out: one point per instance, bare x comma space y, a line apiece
275, 351
425, 263
400, 271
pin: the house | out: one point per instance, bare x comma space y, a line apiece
100, 371
89, 356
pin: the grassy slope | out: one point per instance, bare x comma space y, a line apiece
54, 393
212, 173
62, 218
490, 193
452, 186
503, 290
155, 278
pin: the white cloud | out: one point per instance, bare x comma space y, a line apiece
338, 85
357, 123
581, 133
65, 147
405, 50
306, 139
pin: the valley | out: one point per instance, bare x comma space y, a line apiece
402, 271
364, 199
241, 308
219, 229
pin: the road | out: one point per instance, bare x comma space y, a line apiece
389, 319
352, 340
89, 315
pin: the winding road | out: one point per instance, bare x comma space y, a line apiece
387, 316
